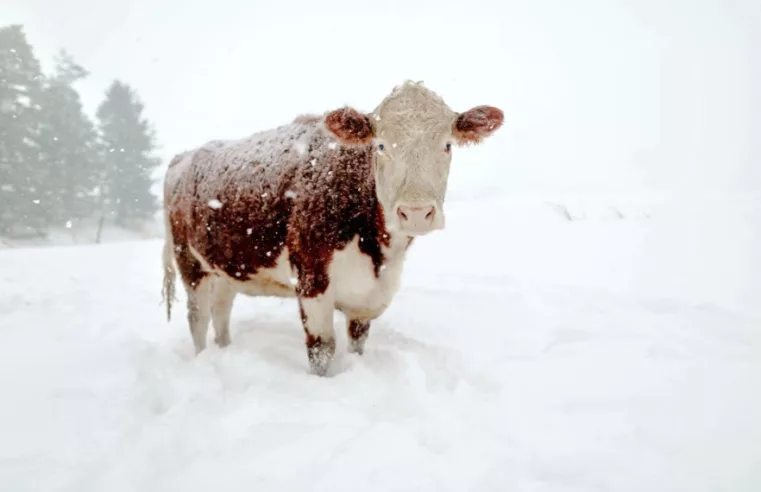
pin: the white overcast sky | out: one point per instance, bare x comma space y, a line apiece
604, 95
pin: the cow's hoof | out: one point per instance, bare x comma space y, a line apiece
357, 345
222, 341
321, 354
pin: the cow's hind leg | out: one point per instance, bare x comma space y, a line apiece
197, 284
223, 295
357, 331
199, 312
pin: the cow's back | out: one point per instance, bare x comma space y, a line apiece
229, 200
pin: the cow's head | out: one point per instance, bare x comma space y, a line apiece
413, 132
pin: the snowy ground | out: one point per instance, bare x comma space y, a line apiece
525, 352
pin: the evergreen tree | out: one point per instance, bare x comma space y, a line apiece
128, 143
68, 145
22, 206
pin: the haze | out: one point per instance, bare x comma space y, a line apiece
599, 96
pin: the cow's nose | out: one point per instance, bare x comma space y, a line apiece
416, 217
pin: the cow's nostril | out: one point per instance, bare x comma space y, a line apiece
429, 214
402, 214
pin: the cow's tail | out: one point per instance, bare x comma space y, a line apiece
168, 255
170, 272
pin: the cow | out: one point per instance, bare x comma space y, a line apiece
322, 209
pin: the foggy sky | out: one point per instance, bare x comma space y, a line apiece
598, 95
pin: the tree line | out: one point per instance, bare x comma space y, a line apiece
58, 168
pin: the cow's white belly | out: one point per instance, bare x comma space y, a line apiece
279, 281
355, 288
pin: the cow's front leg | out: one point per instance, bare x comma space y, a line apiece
357, 331
317, 317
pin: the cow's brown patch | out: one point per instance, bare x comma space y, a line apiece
350, 126
358, 332
476, 124
239, 205
358, 329
190, 268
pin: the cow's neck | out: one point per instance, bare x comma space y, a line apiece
394, 243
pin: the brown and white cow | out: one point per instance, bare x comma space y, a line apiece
322, 209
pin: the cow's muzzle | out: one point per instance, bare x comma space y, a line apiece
419, 218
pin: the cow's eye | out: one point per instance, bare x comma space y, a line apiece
381, 146
448, 147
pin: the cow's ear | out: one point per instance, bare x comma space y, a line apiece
474, 125
349, 126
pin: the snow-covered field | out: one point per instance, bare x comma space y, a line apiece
524, 352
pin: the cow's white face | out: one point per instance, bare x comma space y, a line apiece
414, 133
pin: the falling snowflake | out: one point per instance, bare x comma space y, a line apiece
249, 231
332, 145
290, 194
313, 162
215, 204
265, 194
301, 147
68, 224
269, 253
294, 280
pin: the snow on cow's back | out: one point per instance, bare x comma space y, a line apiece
257, 170
214, 160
